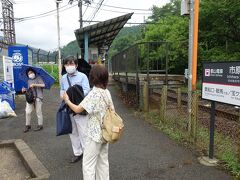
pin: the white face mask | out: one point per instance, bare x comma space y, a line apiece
31, 76
70, 69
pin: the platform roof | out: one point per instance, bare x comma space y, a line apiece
102, 34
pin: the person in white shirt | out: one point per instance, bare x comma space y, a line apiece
79, 122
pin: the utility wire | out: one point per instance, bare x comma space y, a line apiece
85, 10
126, 23
124, 7
23, 2
96, 10
120, 11
41, 16
53, 12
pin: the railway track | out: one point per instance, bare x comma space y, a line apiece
222, 110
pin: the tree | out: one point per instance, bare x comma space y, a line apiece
126, 37
170, 9
219, 30
173, 32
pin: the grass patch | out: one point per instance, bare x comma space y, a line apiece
51, 69
225, 148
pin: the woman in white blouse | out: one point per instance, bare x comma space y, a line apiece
95, 156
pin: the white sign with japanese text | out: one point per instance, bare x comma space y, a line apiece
221, 82
8, 69
221, 93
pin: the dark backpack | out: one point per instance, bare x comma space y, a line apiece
30, 96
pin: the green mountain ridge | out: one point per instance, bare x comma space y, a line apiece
126, 37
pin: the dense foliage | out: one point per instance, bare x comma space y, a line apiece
126, 37
219, 30
71, 48
219, 33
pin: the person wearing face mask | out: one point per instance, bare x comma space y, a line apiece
36, 83
79, 122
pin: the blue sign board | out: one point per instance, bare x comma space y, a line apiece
19, 56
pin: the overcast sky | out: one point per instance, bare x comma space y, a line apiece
42, 32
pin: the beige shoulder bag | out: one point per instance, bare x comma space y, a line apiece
112, 124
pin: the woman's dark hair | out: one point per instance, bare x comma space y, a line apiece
99, 76
70, 59
30, 69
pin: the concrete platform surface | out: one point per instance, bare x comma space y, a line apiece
143, 153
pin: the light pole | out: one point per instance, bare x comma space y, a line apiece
80, 13
59, 49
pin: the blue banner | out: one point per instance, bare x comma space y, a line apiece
19, 56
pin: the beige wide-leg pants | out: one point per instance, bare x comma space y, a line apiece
95, 161
38, 108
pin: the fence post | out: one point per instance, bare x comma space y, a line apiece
38, 55
52, 69
56, 58
238, 142
145, 97
238, 145
163, 103
179, 98
194, 116
48, 56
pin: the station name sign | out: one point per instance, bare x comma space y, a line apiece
221, 82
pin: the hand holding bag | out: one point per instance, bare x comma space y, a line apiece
63, 120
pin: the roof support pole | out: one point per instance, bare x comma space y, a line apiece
86, 47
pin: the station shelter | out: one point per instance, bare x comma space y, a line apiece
95, 40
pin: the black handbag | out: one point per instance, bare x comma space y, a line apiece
63, 120
30, 96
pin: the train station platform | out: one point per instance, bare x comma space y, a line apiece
143, 153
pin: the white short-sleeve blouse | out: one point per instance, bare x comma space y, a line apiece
96, 107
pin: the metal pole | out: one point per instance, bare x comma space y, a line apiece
238, 143
190, 64
80, 13
137, 75
148, 51
212, 123
167, 60
86, 47
59, 49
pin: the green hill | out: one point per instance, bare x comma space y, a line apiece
126, 37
